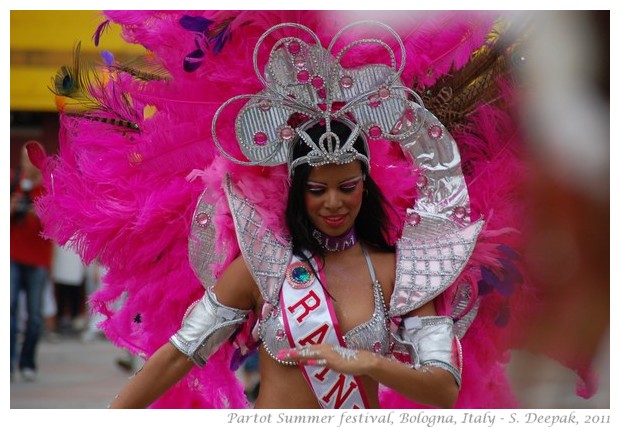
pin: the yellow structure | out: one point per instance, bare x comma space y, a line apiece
43, 40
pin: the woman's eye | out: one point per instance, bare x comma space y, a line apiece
348, 188
315, 191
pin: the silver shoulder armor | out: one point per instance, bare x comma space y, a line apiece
266, 255
430, 341
206, 325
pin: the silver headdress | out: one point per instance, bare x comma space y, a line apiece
306, 84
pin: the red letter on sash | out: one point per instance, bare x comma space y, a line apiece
321, 375
312, 338
308, 307
339, 385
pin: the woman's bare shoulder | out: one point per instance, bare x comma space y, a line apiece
382, 258
384, 263
236, 287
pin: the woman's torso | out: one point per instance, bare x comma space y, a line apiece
357, 310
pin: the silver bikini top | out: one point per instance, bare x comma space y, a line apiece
372, 335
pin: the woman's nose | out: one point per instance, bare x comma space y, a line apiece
332, 200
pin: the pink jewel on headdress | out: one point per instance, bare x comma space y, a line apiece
317, 81
299, 61
264, 105
287, 133
374, 100
460, 212
377, 347
202, 219
299, 276
280, 334
397, 128
413, 219
346, 81
406, 121
435, 132
321, 93
303, 76
421, 181
294, 48
260, 138
384, 93
375, 131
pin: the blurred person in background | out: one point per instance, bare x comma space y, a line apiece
69, 275
49, 310
30, 258
564, 111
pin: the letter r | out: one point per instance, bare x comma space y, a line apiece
309, 303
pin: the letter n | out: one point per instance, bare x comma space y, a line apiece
339, 387
321, 375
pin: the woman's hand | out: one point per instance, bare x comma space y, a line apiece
340, 359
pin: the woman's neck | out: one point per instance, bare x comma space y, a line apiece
335, 244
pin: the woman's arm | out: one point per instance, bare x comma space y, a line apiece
429, 385
235, 289
164, 369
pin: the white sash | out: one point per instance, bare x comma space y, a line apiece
309, 318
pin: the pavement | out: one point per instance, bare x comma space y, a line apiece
72, 374
84, 375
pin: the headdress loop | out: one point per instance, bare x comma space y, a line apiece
306, 84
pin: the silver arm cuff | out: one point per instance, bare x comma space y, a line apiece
206, 325
430, 341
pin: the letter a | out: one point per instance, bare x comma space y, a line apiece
316, 337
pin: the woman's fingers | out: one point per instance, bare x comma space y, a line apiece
319, 354
316, 362
344, 353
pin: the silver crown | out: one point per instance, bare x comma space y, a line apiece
329, 149
306, 84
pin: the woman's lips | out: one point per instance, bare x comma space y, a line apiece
334, 221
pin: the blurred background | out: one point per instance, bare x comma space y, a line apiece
567, 114
42, 41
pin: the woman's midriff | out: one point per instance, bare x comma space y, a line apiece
283, 386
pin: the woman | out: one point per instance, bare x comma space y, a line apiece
336, 216
151, 133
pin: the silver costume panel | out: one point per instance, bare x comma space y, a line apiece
431, 341
203, 242
428, 263
206, 325
266, 256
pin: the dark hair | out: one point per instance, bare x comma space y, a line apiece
372, 221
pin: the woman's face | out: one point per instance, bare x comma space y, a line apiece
333, 197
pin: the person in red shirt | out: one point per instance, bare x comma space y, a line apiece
30, 262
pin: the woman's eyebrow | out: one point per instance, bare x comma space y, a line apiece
352, 179
345, 181
313, 183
